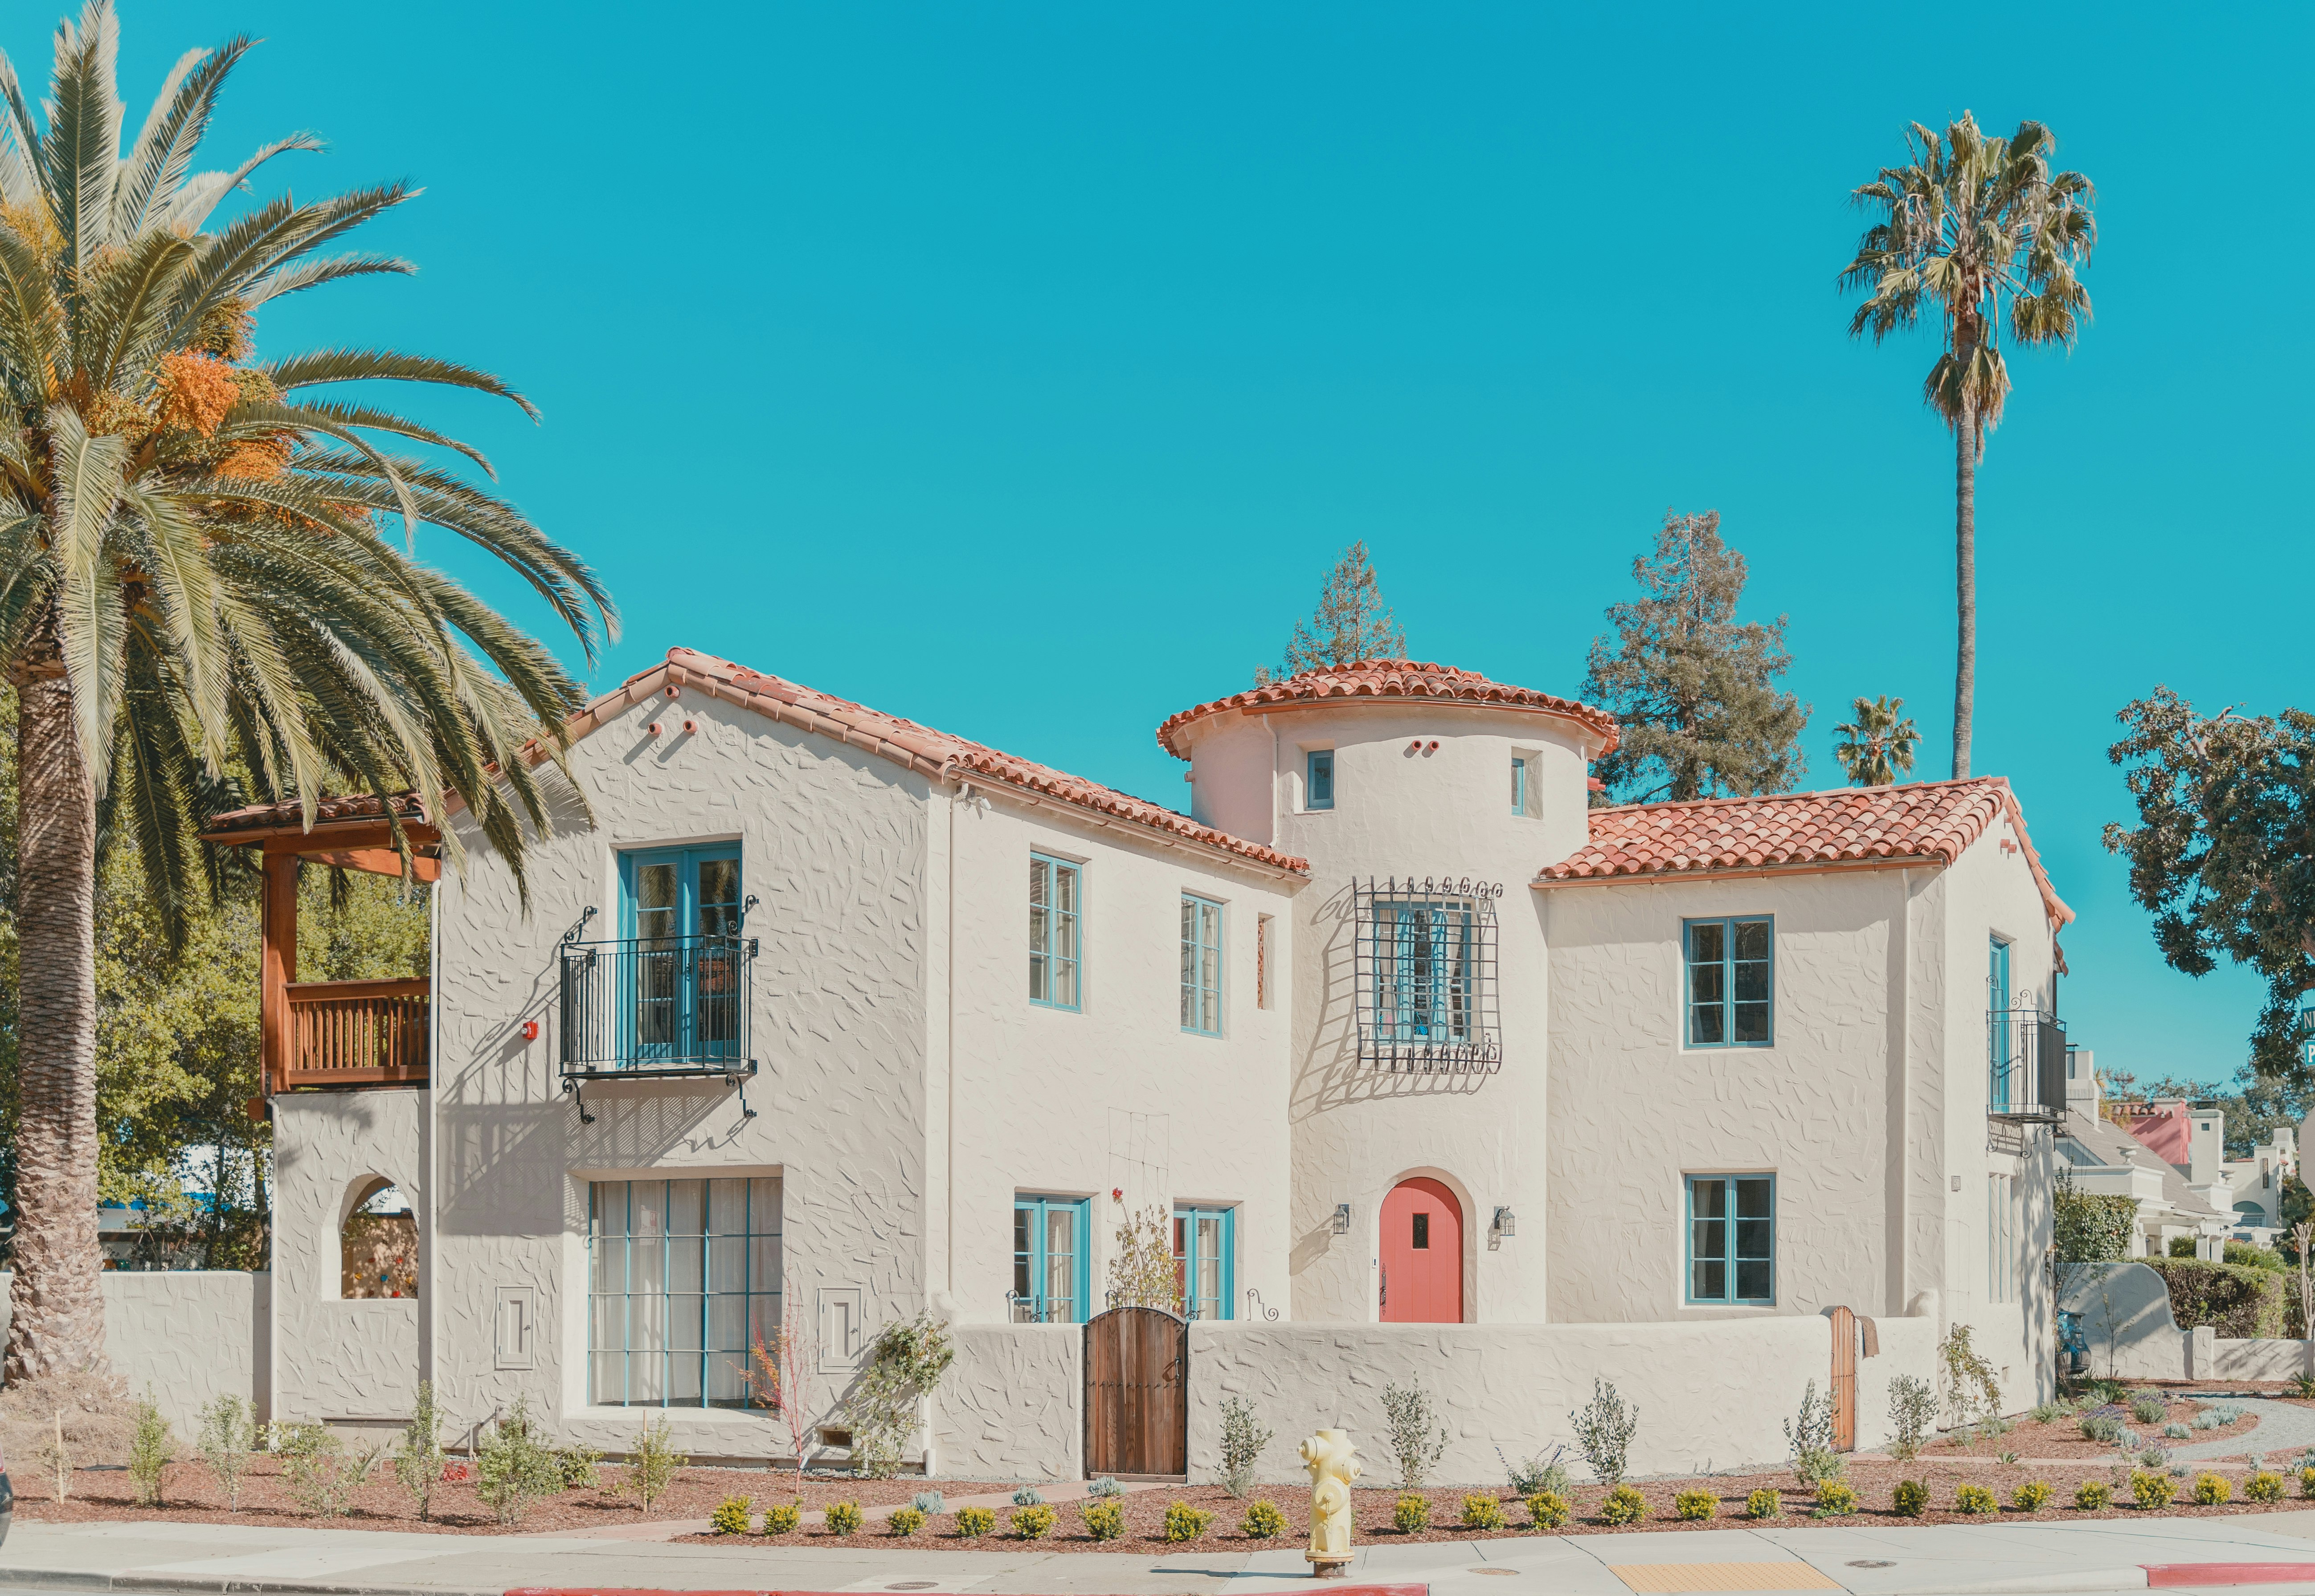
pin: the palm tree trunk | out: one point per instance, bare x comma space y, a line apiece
1964, 584
55, 1321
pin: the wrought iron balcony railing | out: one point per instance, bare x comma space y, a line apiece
656, 1006
2024, 1065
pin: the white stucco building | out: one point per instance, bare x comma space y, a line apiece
813, 1009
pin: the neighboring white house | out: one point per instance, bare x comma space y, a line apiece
814, 1010
2102, 1158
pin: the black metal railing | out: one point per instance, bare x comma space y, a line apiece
1425, 964
659, 1005
2024, 1065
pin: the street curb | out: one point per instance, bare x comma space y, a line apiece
2161, 1574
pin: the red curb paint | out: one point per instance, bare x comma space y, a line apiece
2159, 1574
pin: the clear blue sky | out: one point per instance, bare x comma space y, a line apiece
1021, 369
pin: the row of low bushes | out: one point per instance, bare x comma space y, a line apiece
2239, 1302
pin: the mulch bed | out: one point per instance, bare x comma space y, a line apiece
2063, 1437
189, 1494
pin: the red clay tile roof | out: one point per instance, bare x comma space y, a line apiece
1846, 826
352, 806
1389, 678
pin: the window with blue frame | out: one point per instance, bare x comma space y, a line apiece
1052, 1270
1202, 965
1732, 1239
1426, 973
1056, 912
1204, 1260
683, 1278
1997, 1031
1318, 779
1731, 982
679, 915
1519, 785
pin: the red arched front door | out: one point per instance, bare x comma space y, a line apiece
1422, 1254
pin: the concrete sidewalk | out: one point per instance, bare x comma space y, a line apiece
1871, 1559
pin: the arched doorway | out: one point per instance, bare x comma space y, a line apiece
1422, 1254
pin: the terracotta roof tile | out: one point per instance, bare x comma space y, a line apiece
1855, 825
352, 806
1388, 679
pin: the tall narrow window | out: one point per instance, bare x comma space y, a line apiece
1318, 779
1203, 1261
683, 1277
1051, 1269
1731, 1238
2001, 1239
1202, 965
1519, 785
1999, 1052
1731, 983
1056, 904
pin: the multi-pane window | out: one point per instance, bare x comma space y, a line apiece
1318, 779
1202, 965
683, 1278
1519, 784
1731, 982
1202, 1267
1056, 903
1731, 1238
2001, 1239
1051, 1273
1999, 1056
1426, 973
676, 987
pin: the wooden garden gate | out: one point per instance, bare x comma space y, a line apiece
1844, 1380
1136, 1394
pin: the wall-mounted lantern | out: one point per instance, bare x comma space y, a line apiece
1342, 1221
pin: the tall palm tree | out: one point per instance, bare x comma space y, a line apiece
1977, 227
1876, 742
198, 576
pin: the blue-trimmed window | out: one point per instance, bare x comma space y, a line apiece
1202, 965
683, 1278
1318, 779
1056, 916
679, 909
1052, 1267
1731, 982
1205, 1253
1731, 1238
1519, 784
1997, 1059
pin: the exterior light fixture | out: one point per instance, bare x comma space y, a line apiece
1506, 1222
1342, 1220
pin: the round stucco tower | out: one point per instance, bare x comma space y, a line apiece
1425, 799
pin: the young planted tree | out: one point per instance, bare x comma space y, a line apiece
1694, 688
196, 576
1877, 745
1352, 622
1974, 231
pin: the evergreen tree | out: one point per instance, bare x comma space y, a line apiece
1352, 622
1878, 746
1695, 688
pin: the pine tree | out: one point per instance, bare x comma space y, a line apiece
1695, 688
1878, 746
1352, 622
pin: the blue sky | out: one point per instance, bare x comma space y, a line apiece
1021, 369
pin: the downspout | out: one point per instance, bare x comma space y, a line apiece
1901, 1110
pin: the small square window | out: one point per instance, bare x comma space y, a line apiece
1318, 779
1731, 995
1732, 1239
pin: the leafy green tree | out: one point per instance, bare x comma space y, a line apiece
1877, 745
1967, 229
1352, 622
195, 575
1694, 688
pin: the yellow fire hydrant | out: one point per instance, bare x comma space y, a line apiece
1333, 1462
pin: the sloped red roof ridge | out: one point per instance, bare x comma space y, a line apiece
1388, 679
349, 806
1843, 826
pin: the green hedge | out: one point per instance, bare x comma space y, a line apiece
2237, 1300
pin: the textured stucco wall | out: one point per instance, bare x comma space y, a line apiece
2265, 1359
1012, 1407
2127, 1321
1708, 1395
189, 1336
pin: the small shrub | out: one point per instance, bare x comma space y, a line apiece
1764, 1504
2154, 1457
2149, 1410
1910, 1499
2151, 1490
2303, 1384
2263, 1484
906, 1521
2176, 1432
844, 1517
1549, 1509
320, 1476
1034, 1523
1974, 1500
783, 1519
151, 1450
1408, 1421
1696, 1504
1483, 1510
1912, 1410
2204, 1420
732, 1515
651, 1463
1104, 1486
1604, 1431
2047, 1413
2032, 1497
2093, 1497
2213, 1490
2100, 1427
1028, 1496
514, 1467
1104, 1521
1262, 1520
973, 1522
932, 1504
1623, 1505
1835, 1500
1411, 1513
1538, 1473
419, 1464
1184, 1522
580, 1468
1810, 1437
2226, 1412
227, 1434
1242, 1443
2007, 1457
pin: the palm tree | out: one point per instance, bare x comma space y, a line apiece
1977, 226
197, 577
1878, 745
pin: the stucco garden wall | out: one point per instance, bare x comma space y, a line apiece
1012, 1407
187, 1337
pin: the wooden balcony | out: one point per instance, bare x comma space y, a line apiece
356, 1034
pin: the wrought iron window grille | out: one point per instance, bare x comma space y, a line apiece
1424, 959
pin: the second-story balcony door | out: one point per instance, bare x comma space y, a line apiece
680, 911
